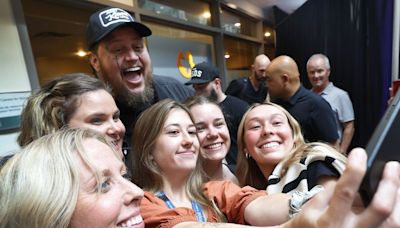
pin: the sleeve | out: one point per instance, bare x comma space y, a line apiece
319, 169
156, 214
231, 199
168, 87
324, 122
346, 111
234, 88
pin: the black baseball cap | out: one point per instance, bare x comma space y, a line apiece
203, 73
104, 21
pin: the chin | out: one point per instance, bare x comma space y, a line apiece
137, 89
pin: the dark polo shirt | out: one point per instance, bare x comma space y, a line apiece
314, 115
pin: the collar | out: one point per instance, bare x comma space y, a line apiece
299, 93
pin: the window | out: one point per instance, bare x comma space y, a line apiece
237, 24
239, 56
175, 51
188, 10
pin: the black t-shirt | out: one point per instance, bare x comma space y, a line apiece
233, 109
164, 87
243, 89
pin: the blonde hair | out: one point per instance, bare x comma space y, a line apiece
247, 170
39, 186
53, 105
145, 172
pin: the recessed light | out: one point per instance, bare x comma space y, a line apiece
81, 53
206, 14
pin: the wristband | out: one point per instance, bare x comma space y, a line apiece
298, 199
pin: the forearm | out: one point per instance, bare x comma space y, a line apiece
268, 210
348, 132
219, 225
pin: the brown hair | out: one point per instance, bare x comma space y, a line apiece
144, 172
52, 106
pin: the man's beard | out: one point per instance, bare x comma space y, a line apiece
135, 100
129, 98
213, 96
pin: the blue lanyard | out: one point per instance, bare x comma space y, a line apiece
195, 206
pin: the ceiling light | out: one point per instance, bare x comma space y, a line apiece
206, 14
227, 55
267, 34
237, 24
81, 53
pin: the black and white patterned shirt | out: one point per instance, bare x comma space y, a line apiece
304, 175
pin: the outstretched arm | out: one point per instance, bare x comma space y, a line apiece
332, 208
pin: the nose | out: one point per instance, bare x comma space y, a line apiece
267, 131
211, 133
132, 55
115, 129
187, 139
132, 193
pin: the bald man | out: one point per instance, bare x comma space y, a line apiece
314, 114
251, 89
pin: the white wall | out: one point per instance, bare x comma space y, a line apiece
13, 72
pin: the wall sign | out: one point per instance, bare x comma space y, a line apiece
11, 105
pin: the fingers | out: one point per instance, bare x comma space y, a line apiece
347, 185
386, 201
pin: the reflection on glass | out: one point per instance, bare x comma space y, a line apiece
241, 56
188, 10
237, 24
175, 51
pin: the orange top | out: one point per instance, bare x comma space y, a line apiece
230, 199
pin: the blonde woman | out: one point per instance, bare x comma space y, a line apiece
72, 178
274, 156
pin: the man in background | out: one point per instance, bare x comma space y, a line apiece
313, 113
119, 57
318, 70
251, 89
206, 82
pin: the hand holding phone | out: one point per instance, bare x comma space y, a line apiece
383, 146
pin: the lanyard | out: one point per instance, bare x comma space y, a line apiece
195, 206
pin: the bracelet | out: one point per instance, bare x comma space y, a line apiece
298, 199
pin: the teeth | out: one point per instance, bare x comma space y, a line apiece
270, 145
214, 146
132, 221
132, 69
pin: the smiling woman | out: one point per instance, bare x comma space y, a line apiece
274, 156
72, 178
75, 100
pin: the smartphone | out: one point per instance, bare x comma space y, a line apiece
383, 146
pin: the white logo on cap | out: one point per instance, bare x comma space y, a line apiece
114, 15
196, 73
